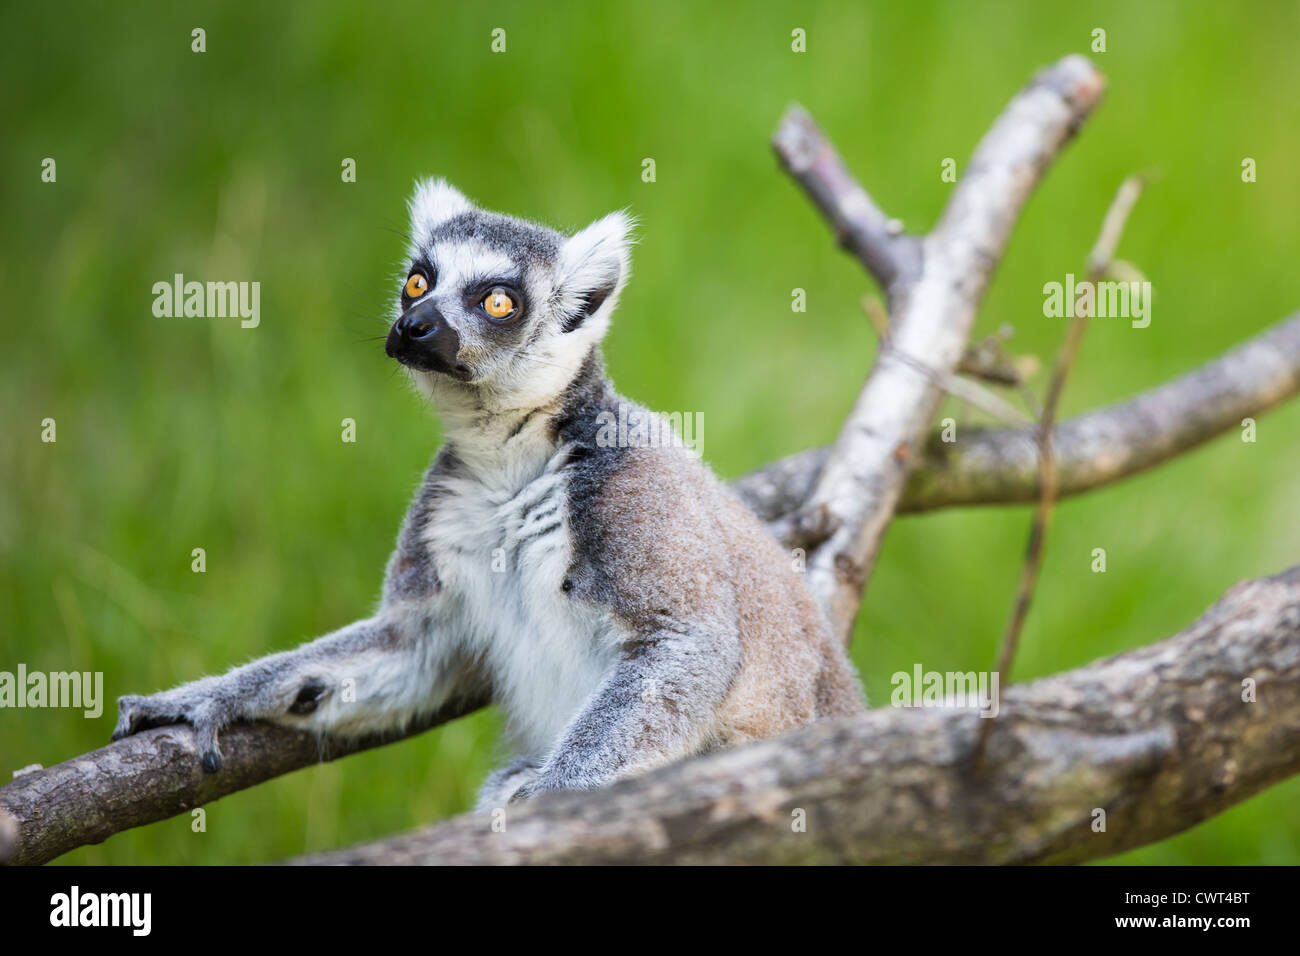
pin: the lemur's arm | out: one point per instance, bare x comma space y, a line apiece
648, 554
372, 675
659, 704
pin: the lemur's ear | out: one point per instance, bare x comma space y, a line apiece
435, 201
593, 267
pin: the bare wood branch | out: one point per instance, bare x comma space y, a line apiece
1160, 738
862, 479
154, 775
998, 466
890, 255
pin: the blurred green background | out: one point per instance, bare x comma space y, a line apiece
182, 433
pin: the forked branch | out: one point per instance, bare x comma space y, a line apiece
862, 479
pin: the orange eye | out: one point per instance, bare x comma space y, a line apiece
416, 285
498, 304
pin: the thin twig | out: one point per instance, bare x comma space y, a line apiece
892, 256
1103, 251
988, 361
968, 391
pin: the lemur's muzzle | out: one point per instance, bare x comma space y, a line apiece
422, 339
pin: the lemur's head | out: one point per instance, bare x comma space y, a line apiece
499, 307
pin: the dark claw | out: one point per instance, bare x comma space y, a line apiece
211, 762
308, 697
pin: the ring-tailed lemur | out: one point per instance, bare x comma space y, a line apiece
617, 600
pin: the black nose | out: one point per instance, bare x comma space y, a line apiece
416, 328
422, 339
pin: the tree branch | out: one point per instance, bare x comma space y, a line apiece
1159, 738
1000, 465
154, 775
862, 479
890, 255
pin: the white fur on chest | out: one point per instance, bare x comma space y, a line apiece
502, 548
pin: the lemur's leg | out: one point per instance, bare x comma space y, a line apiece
658, 704
372, 675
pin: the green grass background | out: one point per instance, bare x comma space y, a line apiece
183, 433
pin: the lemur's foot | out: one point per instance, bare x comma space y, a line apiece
545, 783
204, 714
503, 786
524, 793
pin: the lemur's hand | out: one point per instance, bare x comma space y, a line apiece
214, 703
293, 688
199, 704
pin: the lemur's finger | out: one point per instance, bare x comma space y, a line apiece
206, 726
135, 714
126, 713
142, 713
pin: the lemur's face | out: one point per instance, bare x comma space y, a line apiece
493, 303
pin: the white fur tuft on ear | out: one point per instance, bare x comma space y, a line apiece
594, 266
434, 201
